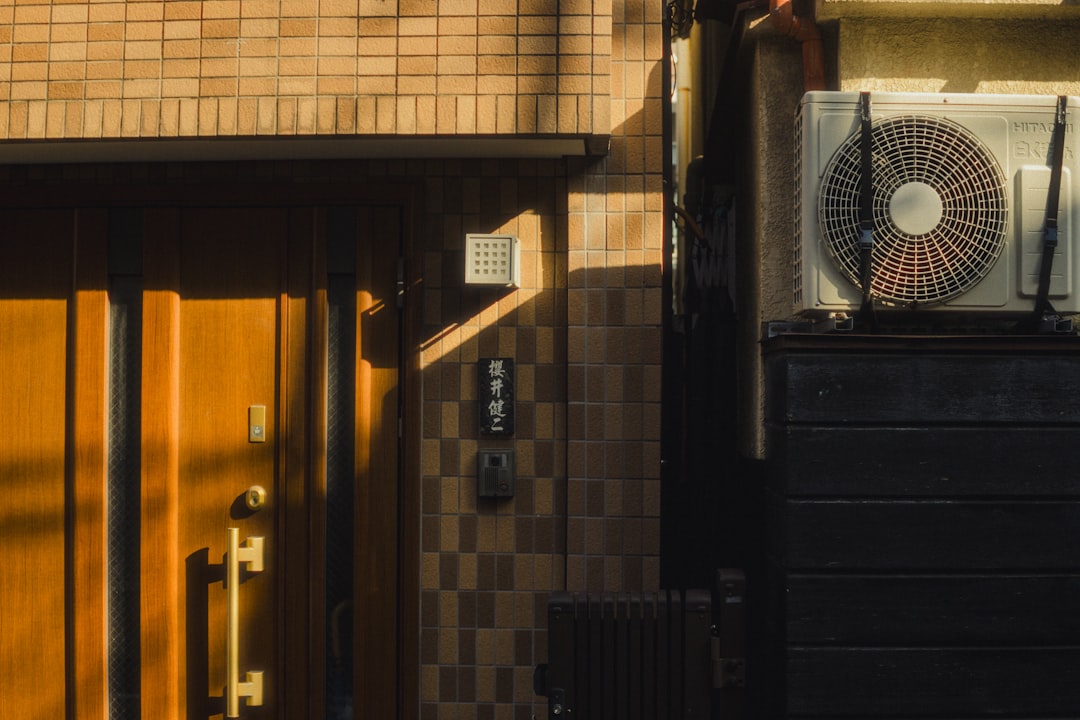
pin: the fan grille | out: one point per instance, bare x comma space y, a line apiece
940, 210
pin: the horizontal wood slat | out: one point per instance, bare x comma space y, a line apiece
901, 681
920, 390
924, 461
926, 535
939, 610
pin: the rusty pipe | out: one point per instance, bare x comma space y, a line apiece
806, 32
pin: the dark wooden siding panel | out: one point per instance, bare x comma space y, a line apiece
933, 610
922, 461
963, 389
927, 535
891, 682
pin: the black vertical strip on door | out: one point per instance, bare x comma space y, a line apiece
123, 476
340, 458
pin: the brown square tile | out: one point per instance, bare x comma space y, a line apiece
448, 571
485, 571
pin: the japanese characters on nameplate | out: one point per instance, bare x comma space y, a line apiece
495, 395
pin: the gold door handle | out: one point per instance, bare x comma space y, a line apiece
251, 552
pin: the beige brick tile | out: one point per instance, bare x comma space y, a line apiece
134, 31
73, 120
55, 117
345, 117
267, 116
325, 115
259, 47
299, 8
67, 71
68, 33
67, 52
65, 90
142, 50
497, 45
380, 66
466, 114
418, 8
247, 110
217, 87
406, 115
345, 47
537, 84
536, 64
376, 85
425, 114
189, 117
295, 86
286, 116
220, 28
36, 116
180, 87
218, 48
456, 65
496, 65
297, 27
73, 13
249, 87
485, 114
31, 14
296, 47
30, 34
91, 118
130, 118
227, 116
29, 71
416, 85
491, 26
459, 85
385, 114
365, 115
212, 9
338, 8
344, 27
252, 67
141, 69
541, 25
259, 9
179, 49
410, 28
380, 46
149, 116
337, 65
446, 114
181, 10
145, 88
144, 11
208, 116
105, 32
289, 66
417, 65
378, 27
30, 52
306, 109
261, 27
17, 120
331, 86
102, 89
377, 8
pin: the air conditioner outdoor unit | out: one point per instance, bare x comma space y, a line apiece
959, 203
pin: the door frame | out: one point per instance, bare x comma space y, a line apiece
86, 467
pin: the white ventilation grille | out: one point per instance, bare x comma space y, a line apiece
940, 210
491, 260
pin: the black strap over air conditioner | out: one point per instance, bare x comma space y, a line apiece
866, 210
1050, 229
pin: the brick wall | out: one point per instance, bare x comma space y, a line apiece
265, 67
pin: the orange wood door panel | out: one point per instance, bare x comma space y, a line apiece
35, 287
233, 315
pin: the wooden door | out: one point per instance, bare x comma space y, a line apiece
158, 368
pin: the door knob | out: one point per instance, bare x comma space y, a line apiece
255, 497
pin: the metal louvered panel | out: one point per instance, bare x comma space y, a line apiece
635, 656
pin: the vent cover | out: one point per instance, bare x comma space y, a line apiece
940, 210
492, 260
